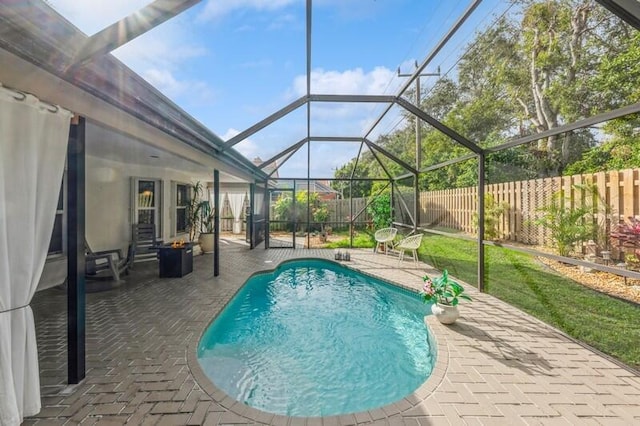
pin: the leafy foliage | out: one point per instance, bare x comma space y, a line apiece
545, 64
199, 215
568, 226
286, 210
492, 212
442, 290
380, 210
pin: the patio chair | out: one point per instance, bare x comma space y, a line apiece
107, 265
412, 243
143, 236
384, 237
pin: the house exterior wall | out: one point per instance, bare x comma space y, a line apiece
110, 202
109, 209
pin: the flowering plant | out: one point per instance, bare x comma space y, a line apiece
442, 290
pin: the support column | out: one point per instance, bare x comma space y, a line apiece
216, 223
76, 301
393, 194
266, 209
416, 204
481, 183
351, 222
295, 214
252, 208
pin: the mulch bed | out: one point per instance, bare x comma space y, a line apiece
604, 282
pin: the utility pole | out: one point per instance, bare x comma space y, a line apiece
416, 201
418, 137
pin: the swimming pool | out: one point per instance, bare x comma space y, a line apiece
313, 338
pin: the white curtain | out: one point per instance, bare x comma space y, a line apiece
258, 201
220, 201
235, 202
33, 141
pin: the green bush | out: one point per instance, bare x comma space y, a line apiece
568, 226
492, 212
380, 210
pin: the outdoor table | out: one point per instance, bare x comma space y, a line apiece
175, 261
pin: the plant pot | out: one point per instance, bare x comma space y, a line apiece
446, 314
206, 242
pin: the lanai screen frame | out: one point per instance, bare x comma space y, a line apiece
629, 11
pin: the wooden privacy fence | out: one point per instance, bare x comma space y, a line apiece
455, 208
339, 211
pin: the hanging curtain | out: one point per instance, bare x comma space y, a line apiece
220, 201
235, 202
33, 141
258, 200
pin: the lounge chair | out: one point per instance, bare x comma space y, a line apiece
107, 265
412, 243
385, 238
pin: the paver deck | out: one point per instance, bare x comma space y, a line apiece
495, 366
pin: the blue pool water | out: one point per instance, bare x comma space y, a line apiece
314, 338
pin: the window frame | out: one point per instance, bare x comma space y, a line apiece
176, 207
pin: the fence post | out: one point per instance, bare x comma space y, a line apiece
481, 182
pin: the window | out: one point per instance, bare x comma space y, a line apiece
56, 244
182, 200
146, 201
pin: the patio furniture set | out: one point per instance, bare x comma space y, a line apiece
385, 238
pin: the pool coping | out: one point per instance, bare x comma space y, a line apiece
409, 402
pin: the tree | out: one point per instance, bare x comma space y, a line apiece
357, 188
545, 64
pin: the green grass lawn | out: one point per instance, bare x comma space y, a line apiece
362, 239
606, 323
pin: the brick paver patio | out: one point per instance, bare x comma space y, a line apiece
496, 365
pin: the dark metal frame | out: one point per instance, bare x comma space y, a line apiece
76, 301
135, 97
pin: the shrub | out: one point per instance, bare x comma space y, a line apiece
492, 212
568, 226
380, 210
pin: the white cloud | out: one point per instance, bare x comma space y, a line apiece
215, 9
160, 49
283, 21
247, 147
346, 119
378, 81
92, 16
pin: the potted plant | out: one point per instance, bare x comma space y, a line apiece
206, 227
445, 295
200, 218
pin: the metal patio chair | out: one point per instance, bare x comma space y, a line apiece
385, 237
411, 243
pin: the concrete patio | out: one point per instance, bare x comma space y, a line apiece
497, 365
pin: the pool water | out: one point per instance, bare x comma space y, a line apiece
314, 339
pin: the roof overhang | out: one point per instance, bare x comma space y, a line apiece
36, 51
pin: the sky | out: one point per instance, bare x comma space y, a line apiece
231, 63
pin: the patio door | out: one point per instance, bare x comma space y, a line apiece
147, 202
282, 222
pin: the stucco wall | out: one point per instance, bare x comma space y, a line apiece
109, 208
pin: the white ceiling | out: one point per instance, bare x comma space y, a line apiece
112, 145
